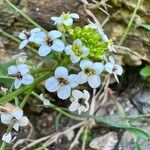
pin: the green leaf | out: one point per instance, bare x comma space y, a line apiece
139, 133
145, 71
146, 26
137, 145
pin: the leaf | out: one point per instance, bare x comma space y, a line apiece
145, 71
137, 145
120, 110
146, 26
139, 133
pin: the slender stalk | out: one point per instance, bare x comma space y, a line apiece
3, 146
130, 23
24, 15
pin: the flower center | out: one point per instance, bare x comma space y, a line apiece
48, 41
81, 101
27, 34
17, 75
89, 71
65, 16
62, 81
76, 49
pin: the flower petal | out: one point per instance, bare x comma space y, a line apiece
111, 59
54, 34
61, 72
68, 50
74, 59
73, 106
17, 113
109, 67
12, 70
22, 36
23, 121
17, 83
64, 92
77, 94
73, 80
23, 68
94, 81
68, 22
74, 15
78, 42
54, 18
52, 84
23, 44
98, 67
82, 77
85, 51
86, 95
6, 118
58, 45
85, 64
27, 79
118, 69
83, 108
7, 137
44, 50
16, 126
35, 30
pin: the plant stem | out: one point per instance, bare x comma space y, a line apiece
58, 109
16, 40
24, 15
3, 146
130, 23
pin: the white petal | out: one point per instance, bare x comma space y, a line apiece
61, 72
73, 80
12, 70
98, 67
85, 51
111, 59
109, 67
7, 137
23, 121
52, 84
22, 36
78, 42
64, 92
111, 48
74, 59
38, 37
58, 45
83, 108
82, 77
116, 77
94, 81
27, 79
85, 64
58, 21
54, 18
35, 30
74, 15
17, 113
44, 50
17, 83
23, 68
6, 118
68, 22
118, 69
16, 126
68, 50
86, 95
77, 94
54, 34
73, 106
23, 44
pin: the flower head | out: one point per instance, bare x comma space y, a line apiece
76, 51
21, 74
80, 101
17, 116
65, 18
7, 137
61, 82
113, 68
50, 42
90, 73
46, 102
30, 36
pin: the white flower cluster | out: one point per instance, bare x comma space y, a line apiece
14, 118
62, 82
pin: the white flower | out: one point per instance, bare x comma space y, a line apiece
65, 18
50, 42
7, 137
76, 51
61, 82
45, 101
113, 68
28, 37
90, 73
21, 74
4, 90
104, 37
17, 117
80, 101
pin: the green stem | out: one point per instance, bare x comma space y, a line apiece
58, 109
24, 15
130, 23
3, 146
16, 40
